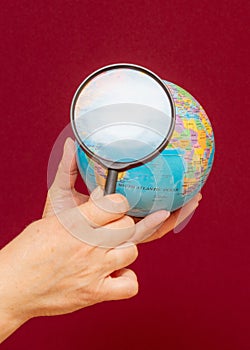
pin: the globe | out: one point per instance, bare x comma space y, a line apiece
178, 173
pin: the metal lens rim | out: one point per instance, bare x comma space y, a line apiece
120, 166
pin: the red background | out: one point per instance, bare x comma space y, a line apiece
194, 286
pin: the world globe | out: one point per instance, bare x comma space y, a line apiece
172, 178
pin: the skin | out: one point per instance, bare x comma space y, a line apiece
50, 269
63, 195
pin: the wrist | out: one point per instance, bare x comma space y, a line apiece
9, 323
12, 311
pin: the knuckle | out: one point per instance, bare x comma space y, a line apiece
117, 197
110, 262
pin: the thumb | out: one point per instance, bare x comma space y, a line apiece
122, 285
67, 170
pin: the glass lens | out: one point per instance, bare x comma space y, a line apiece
122, 115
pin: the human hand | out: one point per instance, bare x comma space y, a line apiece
62, 195
47, 271
176, 218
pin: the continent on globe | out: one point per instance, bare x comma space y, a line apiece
172, 178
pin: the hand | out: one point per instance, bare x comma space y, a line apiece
47, 271
62, 195
176, 218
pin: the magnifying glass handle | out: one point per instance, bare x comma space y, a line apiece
111, 180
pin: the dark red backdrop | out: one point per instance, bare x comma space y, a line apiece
194, 286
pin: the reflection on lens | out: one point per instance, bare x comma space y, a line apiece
122, 132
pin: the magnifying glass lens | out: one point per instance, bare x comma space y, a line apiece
123, 132
121, 115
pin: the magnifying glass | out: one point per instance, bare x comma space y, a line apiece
122, 116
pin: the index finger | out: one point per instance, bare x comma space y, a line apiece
101, 210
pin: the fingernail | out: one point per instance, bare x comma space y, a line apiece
120, 200
97, 193
193, 206
114, 202
161, 218
163, 215
199, 196
158, 217
68, 142
68, 145
116, 198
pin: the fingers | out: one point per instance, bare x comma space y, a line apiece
67, 170
176, 218
115, 233
101, 210
101, 221
183, 213
118, 258
148, 225
121, 285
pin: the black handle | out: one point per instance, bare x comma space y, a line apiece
111, 180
